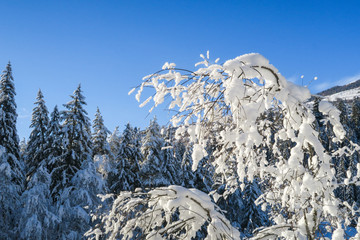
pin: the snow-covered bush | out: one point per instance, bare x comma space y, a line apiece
226, 103
172, 212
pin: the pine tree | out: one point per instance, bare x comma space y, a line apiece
8, 116
35, 151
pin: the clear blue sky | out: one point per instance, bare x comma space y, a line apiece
108, 46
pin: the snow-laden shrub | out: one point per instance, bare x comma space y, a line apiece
172, 212
226, 103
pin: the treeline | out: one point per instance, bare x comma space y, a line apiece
50, 185
53, 186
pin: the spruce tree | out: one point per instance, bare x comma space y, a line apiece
101, 149
79, 182
125, 176
253, 216
9, 197
152, 169
114, 141
8, 134
171, 163
355, 117
8, 116
53, 151
76, 137
99, 136
187, 175
35, 151
79, 201
38, 218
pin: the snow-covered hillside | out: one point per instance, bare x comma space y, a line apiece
345, 95
346, 92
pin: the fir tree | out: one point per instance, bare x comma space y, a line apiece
35, 151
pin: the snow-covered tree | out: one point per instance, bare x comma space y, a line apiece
22, 146
77, 146
171, 163
172, 212
99, 136
253, 216
9, 197
8, 116
53, 150
78, 181
224, 103
35, 151
187, 174
38, 218
125, 174
79, 201
355, 117
153, 169
114, 141
101, 148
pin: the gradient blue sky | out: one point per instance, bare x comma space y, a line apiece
108, 46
